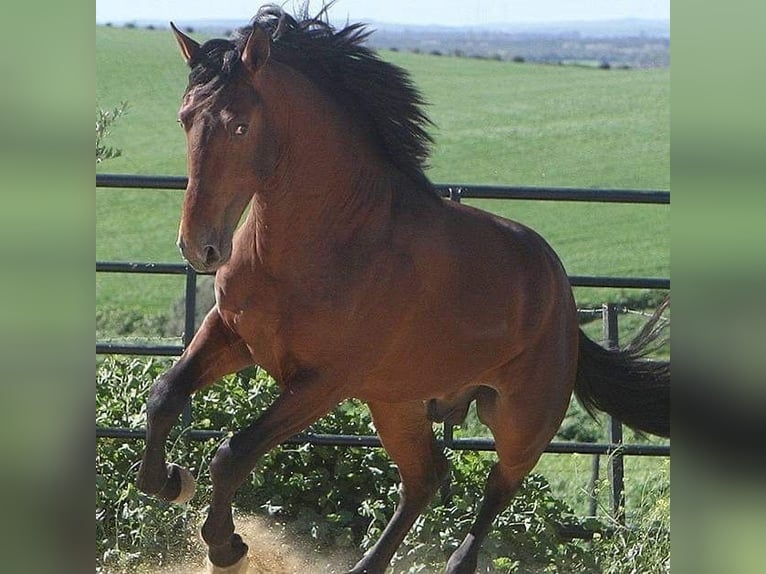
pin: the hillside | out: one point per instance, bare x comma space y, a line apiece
620, 43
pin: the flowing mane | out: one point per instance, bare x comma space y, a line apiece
378, 94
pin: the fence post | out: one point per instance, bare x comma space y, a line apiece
446, 486
616, 463
190, 308
455, 193
593, 486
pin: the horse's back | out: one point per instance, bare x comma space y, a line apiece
490, 266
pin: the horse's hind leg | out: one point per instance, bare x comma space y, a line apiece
407, 435
522, 424
214, 351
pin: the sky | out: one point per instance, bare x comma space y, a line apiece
426, 12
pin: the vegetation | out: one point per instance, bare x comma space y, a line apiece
342, 497
622, 47
104, 122
497, 123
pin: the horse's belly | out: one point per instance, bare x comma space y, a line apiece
437, 361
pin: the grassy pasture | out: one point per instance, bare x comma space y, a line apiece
495, 123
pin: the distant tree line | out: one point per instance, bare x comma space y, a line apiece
603, 64
605, 54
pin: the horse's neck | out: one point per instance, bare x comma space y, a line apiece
332, 190
306, 224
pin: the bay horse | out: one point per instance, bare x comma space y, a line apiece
351, 277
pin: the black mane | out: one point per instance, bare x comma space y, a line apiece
381, 94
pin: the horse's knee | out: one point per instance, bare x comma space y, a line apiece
164, 402
230, 466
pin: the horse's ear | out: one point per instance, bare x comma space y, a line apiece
188, 46
257, 49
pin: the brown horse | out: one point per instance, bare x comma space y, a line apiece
351, 277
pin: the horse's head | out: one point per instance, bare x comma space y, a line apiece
230, 147
299, 115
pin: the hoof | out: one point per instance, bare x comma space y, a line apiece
188, 484
239, 567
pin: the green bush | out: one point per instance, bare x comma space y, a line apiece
337, 497
525, 537
131, 527
644, 544
105, 120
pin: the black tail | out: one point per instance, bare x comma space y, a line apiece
624, 383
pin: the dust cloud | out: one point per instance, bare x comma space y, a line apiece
273, 550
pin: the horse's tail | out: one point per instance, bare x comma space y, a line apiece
623, 383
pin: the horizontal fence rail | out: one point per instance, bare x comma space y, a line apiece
615, 449
453, 191
574, 280
477, 444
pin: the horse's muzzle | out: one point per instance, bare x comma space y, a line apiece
205, 257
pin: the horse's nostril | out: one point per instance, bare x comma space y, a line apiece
212, 255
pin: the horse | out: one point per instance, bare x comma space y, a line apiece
351, 277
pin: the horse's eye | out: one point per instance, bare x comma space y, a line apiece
240, 129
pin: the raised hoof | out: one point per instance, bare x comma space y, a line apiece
188, 484
239, 567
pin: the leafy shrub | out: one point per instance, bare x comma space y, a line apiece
128, 523
105, 120
204, 300
339, 497
118, 321
644, 544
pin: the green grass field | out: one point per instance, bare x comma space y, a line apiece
496, 123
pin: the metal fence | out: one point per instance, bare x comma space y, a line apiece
615, 448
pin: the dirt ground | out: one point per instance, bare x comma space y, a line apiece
272, 551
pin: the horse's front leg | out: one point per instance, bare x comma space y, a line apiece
214, 351
304, 399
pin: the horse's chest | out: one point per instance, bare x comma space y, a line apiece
274, 322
